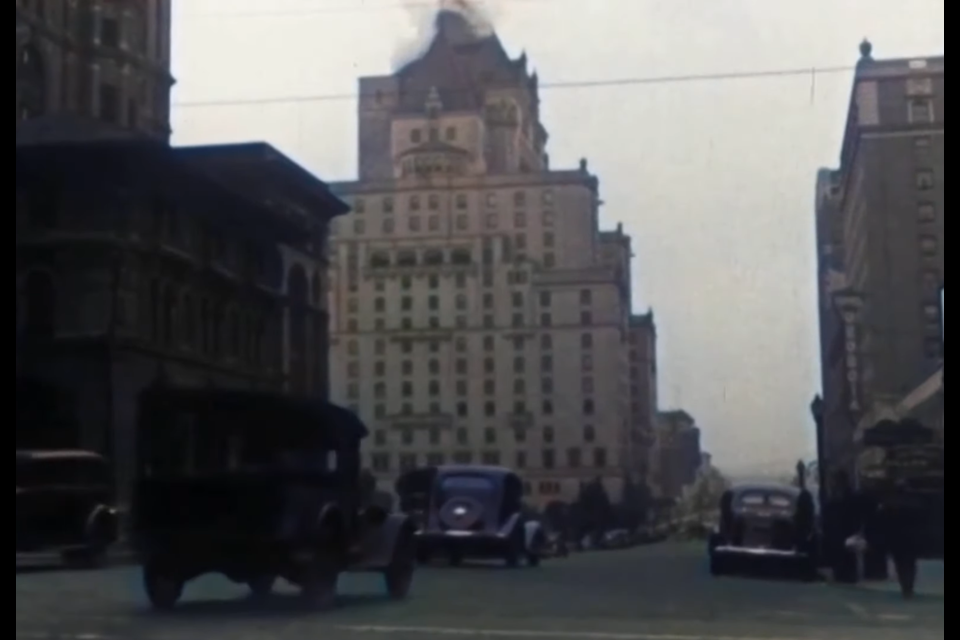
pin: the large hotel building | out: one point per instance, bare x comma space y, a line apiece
881, 248
479, 314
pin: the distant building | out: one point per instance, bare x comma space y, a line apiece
880, 242
102, 59
644, 393
479, 313
679, 455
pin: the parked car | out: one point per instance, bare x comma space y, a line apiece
259, 488
772, 525
475, 513
66, 505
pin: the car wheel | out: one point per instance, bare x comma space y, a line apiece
261, 587
164, 591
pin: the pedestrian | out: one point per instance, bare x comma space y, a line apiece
900, 521
843, 519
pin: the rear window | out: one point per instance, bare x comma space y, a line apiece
766, 499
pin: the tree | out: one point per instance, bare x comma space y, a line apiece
633, 511
594, 508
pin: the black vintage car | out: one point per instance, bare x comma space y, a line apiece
772, 525
473, 512
259, 488
66, 504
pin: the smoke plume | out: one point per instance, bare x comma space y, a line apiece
476, 22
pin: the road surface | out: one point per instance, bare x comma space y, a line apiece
653, 593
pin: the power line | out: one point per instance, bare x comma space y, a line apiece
580, 84
355, 7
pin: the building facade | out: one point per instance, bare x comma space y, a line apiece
880, 242
644, 392
105, 59
142, 265
679, 454
479, 314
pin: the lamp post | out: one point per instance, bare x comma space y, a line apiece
817, 409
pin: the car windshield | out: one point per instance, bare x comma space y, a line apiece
765, 499
476, 487
780, 501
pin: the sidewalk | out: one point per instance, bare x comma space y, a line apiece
930, 582
118, 556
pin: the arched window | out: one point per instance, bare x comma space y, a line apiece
31, 83
40, 297
298, 291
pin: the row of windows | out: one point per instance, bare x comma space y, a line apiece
490, 409
462, 436
461, 201
463, 222
462, 346
487, 322
407, 304
575, 459
408, 389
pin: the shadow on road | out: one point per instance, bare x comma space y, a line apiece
279, 606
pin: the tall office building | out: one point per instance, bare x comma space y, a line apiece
880, 243
103, 59
479, 315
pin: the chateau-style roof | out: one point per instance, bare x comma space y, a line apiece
459, 63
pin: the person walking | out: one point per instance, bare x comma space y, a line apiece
900, 522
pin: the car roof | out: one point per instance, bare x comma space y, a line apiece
479, 470
54, 455
329, 417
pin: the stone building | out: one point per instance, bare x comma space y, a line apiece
479, 314
644, 392
106, 59
880, 243
679, 454
139, 264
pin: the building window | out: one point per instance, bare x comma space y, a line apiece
451, 134
389, 205
110, 104
359, 206
926, 181
600, 460
521, 460
520, 199
589, 435
520, 220
929, 246
549, 459
927, 213
921, 111
110, 32
589, 407
574, 458
416, 136
934, 348
463, 203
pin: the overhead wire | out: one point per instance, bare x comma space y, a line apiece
554, 86
358, 6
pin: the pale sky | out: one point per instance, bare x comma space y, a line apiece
714, 180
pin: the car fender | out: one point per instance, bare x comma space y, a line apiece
103, 515
383, 542
510, 526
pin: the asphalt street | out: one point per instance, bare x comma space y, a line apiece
653, 593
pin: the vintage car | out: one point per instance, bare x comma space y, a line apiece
65, 504
474, 512
766, 524
259, 488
